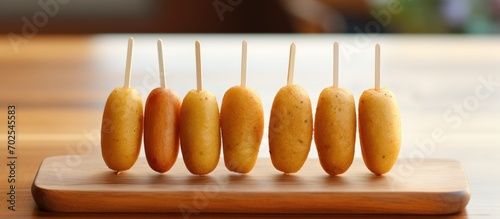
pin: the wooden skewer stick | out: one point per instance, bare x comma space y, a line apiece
291, 64
377, 67
244, 63
336, 64
129, 62
199, 85
162, 66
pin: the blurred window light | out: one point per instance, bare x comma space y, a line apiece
455, 12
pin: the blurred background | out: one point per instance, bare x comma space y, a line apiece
249, 16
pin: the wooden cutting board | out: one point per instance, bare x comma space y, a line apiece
429, 186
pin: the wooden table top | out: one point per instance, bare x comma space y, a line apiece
448, 88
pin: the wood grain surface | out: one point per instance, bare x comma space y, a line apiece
435, 187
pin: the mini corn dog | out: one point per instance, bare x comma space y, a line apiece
242, 124
335, 126
200, 127
379, 125
122, 123
290, 125
161, 123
